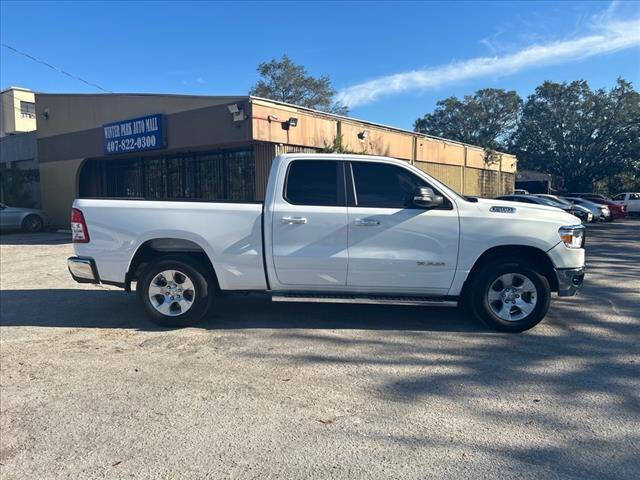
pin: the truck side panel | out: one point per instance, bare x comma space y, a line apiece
229, 233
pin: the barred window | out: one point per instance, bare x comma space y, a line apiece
28, 109
223, 175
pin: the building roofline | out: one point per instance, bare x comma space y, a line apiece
22, 89
120, 94
367, 122
275, 102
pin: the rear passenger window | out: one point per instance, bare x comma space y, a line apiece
315, 182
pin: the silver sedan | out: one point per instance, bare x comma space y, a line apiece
26, 219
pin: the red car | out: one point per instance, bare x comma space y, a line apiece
617, 211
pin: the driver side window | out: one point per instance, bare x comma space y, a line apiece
380, 185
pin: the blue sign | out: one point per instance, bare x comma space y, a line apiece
135, 135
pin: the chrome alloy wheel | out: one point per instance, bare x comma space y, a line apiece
171, 293
512, 296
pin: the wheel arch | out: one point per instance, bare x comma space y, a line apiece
154, 248
533, 255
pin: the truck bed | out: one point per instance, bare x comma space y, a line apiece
229, 233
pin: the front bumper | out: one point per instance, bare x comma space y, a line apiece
583, 216
83, 269
570, 280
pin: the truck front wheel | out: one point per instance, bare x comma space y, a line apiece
510, 296
174, 292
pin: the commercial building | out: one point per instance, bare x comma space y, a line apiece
18, 146
17, 111
173, 147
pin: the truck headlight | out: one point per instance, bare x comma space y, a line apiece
572, 236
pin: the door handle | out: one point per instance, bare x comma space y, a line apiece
294, 220
365, 222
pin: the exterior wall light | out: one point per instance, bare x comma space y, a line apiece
293, 122
363, 134
237, 112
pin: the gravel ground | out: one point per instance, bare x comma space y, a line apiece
91, 389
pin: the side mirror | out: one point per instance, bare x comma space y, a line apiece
424, 197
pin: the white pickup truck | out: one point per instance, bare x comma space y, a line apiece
335, 228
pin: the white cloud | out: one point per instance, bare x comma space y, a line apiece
607, 36
200, 80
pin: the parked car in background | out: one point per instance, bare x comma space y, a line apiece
534, 199
25, 219
600, 212
579, 211
630, 200
617, 210
520, 191
586, 196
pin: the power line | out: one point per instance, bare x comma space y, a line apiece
58, 69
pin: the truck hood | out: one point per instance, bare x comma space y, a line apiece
529, 211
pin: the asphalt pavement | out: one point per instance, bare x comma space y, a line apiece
90, 389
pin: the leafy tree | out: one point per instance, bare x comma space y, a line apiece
487, 119
338, 146
582, 135
285, 81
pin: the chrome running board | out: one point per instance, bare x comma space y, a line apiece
364, 299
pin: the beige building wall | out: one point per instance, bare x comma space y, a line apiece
465, 168
68, 128
63, 113
268, 123
58, 187
450, 175
12, 120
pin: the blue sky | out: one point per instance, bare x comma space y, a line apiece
390, 61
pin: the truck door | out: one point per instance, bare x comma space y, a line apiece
392, 243
310, 225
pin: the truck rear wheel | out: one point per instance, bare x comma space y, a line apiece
175, 291
510, 296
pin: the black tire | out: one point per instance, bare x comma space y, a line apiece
478, 295
32, 224
202, 292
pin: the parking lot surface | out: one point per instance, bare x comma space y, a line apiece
90, 389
